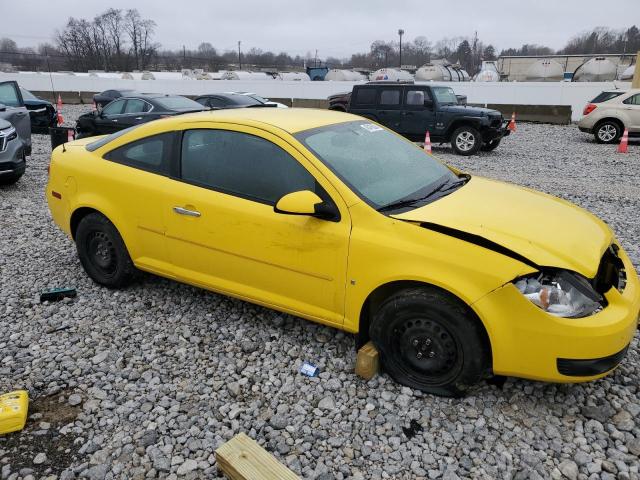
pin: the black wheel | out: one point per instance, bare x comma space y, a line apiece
466, 140
430, 341
490, 146
102, 252
608, 131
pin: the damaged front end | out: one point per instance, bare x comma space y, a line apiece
567, 294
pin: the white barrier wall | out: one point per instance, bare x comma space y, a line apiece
575, 94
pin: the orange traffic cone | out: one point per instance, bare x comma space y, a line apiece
624, 142
58, 110
427, 143
512, 123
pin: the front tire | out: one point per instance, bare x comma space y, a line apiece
430, 341
102, 252
466, 141
608, 131
490, 146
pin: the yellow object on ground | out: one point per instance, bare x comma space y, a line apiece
13, 411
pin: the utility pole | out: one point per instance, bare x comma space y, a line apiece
315, 63
239, 56
400, 32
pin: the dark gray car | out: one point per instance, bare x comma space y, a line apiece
15, 133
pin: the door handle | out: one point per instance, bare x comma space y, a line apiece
138, 118
184, 211
114, 120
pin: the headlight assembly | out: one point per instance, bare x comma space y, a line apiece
561, 293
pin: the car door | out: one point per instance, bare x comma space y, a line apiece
631, 107
418, 116
13, 110
135, 111
390, 107
137, 175
223, 232
108, 120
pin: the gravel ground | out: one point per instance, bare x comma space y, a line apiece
147, 382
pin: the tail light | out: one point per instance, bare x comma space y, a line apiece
589, 108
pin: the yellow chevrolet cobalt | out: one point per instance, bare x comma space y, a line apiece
338, 220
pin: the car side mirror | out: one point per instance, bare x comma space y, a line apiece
3, 107
305, 202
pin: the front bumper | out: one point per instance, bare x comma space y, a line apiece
493, 133
527, 342
11, 160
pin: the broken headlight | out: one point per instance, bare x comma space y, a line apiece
561, 293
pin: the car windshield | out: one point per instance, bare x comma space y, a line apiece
445, 96
378, 165
27, 95
178, 103
102, 141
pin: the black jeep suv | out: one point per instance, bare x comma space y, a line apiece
412, 109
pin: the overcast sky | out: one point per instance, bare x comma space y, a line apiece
334, 27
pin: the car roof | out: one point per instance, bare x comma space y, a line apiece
291, 120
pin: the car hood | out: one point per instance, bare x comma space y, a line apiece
4, 124
465, 110
537, 227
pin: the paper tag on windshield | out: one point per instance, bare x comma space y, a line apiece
370, 127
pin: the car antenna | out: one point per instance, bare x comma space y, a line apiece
53, 90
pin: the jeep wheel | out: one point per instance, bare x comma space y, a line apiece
430, 341
609, 131
490, 146
466, 141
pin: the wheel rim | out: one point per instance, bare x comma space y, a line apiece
427, 351
465, 141
607, 132
102, 253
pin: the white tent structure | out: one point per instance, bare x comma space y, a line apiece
391, 75
244, 75
339, 75
598, 69
293, 77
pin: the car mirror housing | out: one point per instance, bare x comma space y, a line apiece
304, 202
3, 107
428, 103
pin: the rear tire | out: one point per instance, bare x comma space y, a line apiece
102, 252
430, 341
466, 141
608, 131
490, 146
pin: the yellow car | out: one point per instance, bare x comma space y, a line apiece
335, 219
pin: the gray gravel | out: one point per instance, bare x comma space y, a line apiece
147, 382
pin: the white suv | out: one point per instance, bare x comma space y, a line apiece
607, 115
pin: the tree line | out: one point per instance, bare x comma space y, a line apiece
123, 40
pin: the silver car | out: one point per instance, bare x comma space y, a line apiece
610, 113
15, 133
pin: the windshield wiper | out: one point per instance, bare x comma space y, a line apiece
446, 186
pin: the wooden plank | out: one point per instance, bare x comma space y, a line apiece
635, 83
241, 458
368, 361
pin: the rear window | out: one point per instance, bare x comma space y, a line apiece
604, 96
365, 96
178, 103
